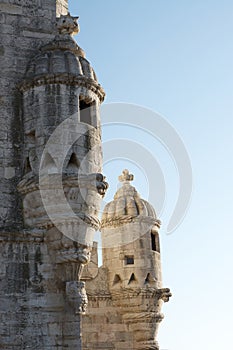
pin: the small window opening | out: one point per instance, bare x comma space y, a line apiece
155, 242
129, 260
86, 111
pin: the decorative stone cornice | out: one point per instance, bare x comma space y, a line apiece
126, 219
135, 317
148, 292
66, 79
70, 223
148, 345
98, 296
23, 236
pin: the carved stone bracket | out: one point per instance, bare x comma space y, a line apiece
76, 296
67, 24
164, 294
70, 254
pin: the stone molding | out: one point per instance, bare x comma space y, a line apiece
95, 297
126, 219
23, 236
143, 317
66, 79
148, 292
149, 345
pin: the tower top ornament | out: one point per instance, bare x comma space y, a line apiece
67, 24
126, 176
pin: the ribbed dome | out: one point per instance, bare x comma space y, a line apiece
127, 202
62, 61
61, 56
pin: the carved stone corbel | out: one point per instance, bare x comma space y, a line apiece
76, 296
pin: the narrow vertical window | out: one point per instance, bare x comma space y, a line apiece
155, 246
87, 110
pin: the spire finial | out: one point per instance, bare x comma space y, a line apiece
67, 24
126, 176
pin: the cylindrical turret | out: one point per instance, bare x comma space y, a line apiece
61, 122
131, 256
130, 239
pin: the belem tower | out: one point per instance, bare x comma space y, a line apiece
53, 295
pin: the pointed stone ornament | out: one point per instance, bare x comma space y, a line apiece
132, 278
117, 279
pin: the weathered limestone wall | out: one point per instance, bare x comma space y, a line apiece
121, 318
24, 27
39, 298
34, 311
45, 107
103, 328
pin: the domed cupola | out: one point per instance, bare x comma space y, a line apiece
62, 61
127, 205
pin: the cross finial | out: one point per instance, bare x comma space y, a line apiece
126, 176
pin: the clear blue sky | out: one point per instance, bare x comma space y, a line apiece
176, 57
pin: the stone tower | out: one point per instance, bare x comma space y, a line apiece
51, 188
51, 185
126, 295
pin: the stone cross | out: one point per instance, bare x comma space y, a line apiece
126, 176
